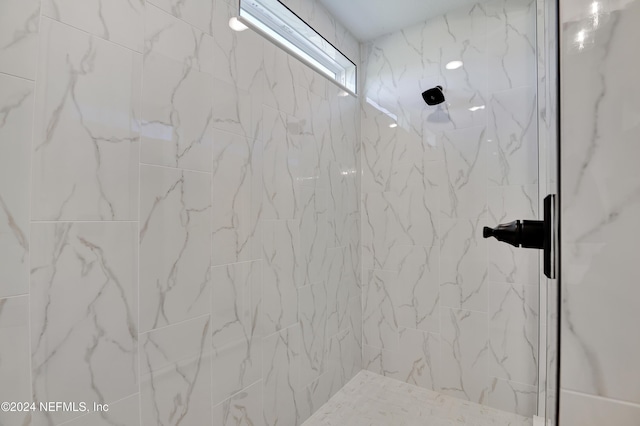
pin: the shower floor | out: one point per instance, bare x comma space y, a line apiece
373, 400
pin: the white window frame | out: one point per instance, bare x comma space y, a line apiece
281, 26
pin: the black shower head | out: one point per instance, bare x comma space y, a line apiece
433, 96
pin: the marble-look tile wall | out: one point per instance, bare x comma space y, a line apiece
179, 216
600, 341
442, 307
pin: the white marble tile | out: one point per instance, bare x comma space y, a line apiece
119, 21
341, 289
508, 264
463, 266
314, 235
198, 13
429, 183
319, 149
512, 152
242, 409
416, 290
16, 118
463, 283
238, 55
177, 97
84, 314
395, 158
380, 319
514, 397
280, 69
282, 274
464, 346
237, 331
511, 44
379, 147
464, 191
281, 156
580, 409
601, 203
236, 110
355, 335
175, 374
19, 25
124, 412
392, 221
379, 361
312, 302
14, 356
465, 88
344, 360
237, 182
174, 39
85, 160
513, 332
281, 378
419, 358
177, 115
315, 395
508, 203
175, 245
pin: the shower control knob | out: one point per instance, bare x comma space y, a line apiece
525, 233
507, 233
534, 234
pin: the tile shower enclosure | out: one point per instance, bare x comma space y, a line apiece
196, 228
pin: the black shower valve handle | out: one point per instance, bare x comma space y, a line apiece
509, 233
526, 233
535, 234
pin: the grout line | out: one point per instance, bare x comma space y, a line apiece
32, 144
111, 42
205, 32
2, 73
295, 324
164, 327
81, 221
15, 296
94, 412
236, 393
602, 398
513, 381
139, 200
174, 168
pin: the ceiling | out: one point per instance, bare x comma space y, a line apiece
369, 19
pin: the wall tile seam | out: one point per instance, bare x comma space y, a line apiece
44, 222
508, 283
149, 4
520, 87
601, 398
491, 376
283, 329
181, 322
174, 168
234, 395
240, 262
88, 34
231, 133
15, 296
2, 73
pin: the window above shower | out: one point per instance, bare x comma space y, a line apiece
280, 25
